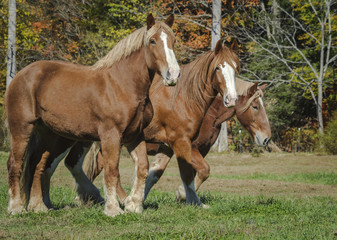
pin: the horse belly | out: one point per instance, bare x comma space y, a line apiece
71, 124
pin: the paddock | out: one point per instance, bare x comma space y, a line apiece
276, 195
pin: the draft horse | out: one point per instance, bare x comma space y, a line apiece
178, 111
249, 110
54, 107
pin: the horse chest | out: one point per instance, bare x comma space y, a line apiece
141, 118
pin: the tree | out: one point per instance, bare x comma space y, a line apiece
11, 53
221, 143
301, 49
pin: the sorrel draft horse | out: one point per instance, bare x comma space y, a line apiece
177, 124
53, 107
249, 110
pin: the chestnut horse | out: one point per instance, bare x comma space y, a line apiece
249, 110
178, 111
55, 107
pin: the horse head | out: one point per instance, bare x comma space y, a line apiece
159, 55
226, 65
252, 114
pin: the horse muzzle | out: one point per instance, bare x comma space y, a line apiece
171, 76
230, 101
261, 141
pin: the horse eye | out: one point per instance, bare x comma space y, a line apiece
152, 41
217, 68
256, 107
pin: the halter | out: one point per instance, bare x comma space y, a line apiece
257, 94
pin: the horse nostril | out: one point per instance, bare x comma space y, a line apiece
168, 74
265, 142
179, 74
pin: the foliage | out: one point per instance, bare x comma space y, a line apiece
330, 135
68, 30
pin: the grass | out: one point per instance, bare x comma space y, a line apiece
233, 213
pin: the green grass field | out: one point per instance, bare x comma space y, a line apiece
275, 196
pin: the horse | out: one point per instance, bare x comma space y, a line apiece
249, 110
178, 111
55, 108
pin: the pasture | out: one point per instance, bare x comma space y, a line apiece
275, 196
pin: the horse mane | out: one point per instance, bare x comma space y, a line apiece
242, 88
202, 70
130, 44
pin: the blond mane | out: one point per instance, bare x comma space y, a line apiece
130, 44
201, 72
242, 87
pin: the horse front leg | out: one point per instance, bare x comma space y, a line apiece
203, 171
183, 150
158, 166
111, 144
137, 150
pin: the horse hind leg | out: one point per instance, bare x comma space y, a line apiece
53, 149
20, 152
85, 188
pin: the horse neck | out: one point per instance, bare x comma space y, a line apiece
220, 112
141, 76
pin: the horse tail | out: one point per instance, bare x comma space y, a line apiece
30, 161
89, 163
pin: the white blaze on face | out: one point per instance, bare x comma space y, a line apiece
229, 75
262, 105
173, 67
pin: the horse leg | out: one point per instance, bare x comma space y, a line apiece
85, 188
111, 145
158, 166
183, 150
20, 152
93, 166
203, 170
55, 149
134, 202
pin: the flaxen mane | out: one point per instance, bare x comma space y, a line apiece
242, 88
201, 72
130, 44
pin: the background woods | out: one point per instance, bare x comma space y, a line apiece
289, 44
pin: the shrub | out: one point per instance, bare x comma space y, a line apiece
330, 135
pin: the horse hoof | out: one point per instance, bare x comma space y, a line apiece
16, 210
113, 212
15, 207
37, 208
204, 206
181, 194
131, 206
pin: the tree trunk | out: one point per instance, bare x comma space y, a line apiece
11, 54
221, 143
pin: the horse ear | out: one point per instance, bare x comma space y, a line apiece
234, 46
263, 86
218, 47
150, 21
252, 89
170, 20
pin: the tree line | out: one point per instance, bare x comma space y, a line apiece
289, 44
